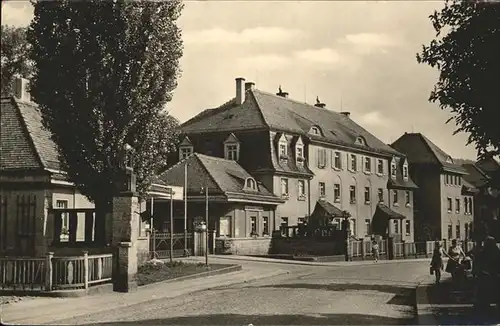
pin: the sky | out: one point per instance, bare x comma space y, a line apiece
355, 56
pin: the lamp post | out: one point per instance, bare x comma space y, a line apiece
206, 225
346, 215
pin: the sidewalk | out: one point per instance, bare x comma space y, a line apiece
444, 304
49, 310
297, 262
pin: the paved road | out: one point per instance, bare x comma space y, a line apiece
373, 294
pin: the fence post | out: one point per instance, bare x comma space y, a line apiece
403, 249
362, 250
86, 270
48, 271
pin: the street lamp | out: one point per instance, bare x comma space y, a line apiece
205, 227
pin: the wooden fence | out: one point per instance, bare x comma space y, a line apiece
55, 273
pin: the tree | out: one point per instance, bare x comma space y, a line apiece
103, 72
14, 53
466, 51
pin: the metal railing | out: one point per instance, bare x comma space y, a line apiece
55, 273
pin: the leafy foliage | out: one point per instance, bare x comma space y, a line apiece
103, 72
466, 51
14, 53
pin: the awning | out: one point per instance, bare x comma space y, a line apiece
381, 218
328, 209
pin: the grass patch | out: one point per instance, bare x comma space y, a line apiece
149, 273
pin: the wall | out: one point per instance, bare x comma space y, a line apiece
453, 218
361, 179
406, 210
427, 201
246, 246
293, 208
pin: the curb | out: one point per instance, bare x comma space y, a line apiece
225, 270
323, 264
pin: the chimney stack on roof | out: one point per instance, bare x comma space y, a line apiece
281, 93
21, 86
319, 104
240, 90
249, 85
346, 114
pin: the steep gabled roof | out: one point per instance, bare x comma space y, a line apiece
475, 176
269, 111
420, 150
25, 143
220, 175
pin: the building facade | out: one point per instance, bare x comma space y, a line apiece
301, 153
444, 204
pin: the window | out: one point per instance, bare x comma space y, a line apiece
321, 158
450, 231
322, 189
225, 226
265, 225
300, 153
315, 131
302, 189
380, 193
450, 205
393, 170
457, 205
447, 179
466, 229
466, 205
354, 163
368, 227
300, 220
184, 152
380, 166
395, 198
253, 225
65, 220
251, 184
353, 227
336, 160
283, 150
352, 194
284, 187
231, 152
457, 233
459, 181
368, 164
336, 193
470, 205
408, 227
367, 195
405, 172
407, 198
396, 226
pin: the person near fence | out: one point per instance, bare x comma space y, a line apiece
375, 250
437, 264
455, 254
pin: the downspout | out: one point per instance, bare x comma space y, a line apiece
308, 198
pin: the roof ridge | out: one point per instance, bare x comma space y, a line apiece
27, 132
259, 108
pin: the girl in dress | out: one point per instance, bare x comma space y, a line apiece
437, 261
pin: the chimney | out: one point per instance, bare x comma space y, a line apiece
240, 91
346, 114
319, 104
21, 89
249, 85
281, 93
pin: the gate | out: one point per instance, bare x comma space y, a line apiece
160, 245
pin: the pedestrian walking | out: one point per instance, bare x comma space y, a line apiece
375, 251
455, 254
437, 264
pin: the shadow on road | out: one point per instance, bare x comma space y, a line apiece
230, 319
461, 316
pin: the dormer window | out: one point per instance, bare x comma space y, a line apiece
393, 169
232, 148
299, 151
185, 148
315, 131
250, 184
360, 141
405, 171
283, 148
449, 160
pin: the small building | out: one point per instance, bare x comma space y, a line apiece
238, 206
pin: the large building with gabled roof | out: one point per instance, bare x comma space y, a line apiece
304, 153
